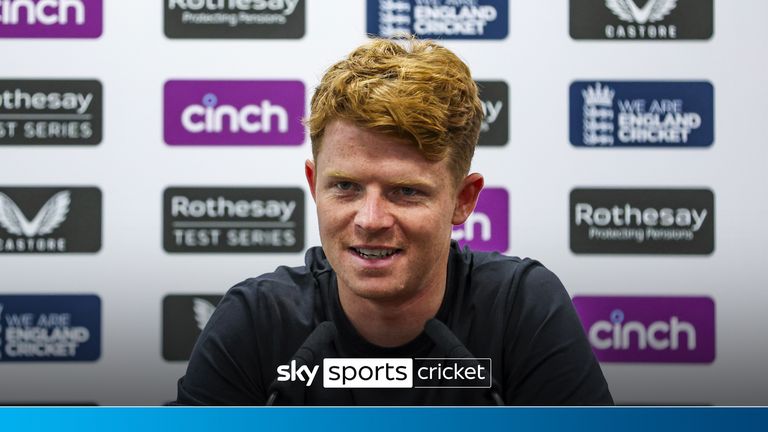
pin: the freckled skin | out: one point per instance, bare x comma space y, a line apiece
377, 192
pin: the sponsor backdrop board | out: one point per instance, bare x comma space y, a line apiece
620, 117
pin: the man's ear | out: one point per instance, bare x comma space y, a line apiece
309, 172
469, 190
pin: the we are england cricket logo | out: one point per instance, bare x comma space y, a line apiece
50, 220
641, 19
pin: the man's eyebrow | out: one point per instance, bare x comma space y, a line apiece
339, 175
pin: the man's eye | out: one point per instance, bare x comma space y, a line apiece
407, 191
345, 186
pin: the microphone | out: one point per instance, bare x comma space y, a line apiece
307, 354
447, 341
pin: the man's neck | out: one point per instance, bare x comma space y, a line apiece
393, 323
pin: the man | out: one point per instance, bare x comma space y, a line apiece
393, 129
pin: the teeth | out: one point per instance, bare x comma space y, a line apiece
375, 253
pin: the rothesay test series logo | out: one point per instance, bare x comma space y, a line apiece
487, 228
438, 19
46, 328
649, 329
50, 219
233, 112
641, 19
184, 317
51, 18
641, 114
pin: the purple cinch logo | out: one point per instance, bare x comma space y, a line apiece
487, 228
649, 329
234, 112
51, 18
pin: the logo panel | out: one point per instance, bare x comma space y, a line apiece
242, 19
494, 131
643, 221
40, 328
234, 112
50, 112
641, 19
649, 329
51, 18
184, 317
641, 114
487, 228
233, 219
50, 219
438, 19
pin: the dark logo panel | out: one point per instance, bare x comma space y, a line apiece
641, 19
50, 112
233, 219
649, 329
184, 317
641, 114
642, 221
439, 19
494, 131
242, 19
50, 219
51, 18
35, 328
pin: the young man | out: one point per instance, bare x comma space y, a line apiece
393, 129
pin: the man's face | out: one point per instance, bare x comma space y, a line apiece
385, 212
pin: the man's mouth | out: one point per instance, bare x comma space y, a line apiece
374, 253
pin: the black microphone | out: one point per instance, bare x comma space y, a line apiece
447, 341
307, 354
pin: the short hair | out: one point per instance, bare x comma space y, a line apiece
411, 89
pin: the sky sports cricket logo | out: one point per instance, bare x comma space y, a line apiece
244, 220
184, 317
233, 112
641, 114
234, 19
494, 130
51, 18
649, 329
487, 228
641, 19
392, 373
642, 221
50, 219
50, 328
50, 112
438, 19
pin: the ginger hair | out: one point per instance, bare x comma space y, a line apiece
413, 89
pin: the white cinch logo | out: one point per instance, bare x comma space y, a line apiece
654, 10
250, 118
468, 231
203, 311
659, 335
53, 213
45, 12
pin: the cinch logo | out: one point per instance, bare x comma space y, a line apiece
36, 328
51, 18
641, 114
50, 220
487, 228
234, 112
184, 317
494, 130
638, 19
439, 19
649, 329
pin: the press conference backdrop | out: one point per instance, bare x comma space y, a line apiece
151, 157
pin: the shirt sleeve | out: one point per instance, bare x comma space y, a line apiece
547, 355
224, 365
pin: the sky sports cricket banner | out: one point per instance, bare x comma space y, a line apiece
642, 114
51, 18
439, 19
48, 328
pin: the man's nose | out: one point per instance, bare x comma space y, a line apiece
374, 213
